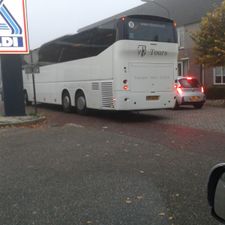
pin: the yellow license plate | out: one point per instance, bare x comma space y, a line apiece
152, 98
195, 98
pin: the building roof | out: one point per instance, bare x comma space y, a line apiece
184, 12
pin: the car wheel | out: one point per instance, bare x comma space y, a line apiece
198, 105
81, 107
66, 102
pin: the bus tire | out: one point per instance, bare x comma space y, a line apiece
81, 105
66, 102
26, 100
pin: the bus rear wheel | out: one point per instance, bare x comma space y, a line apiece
80, 101
66, 102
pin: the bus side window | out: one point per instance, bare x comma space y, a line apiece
76, 47
102, 38
50, 54
82, 45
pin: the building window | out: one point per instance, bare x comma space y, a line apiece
181, 36
219, 75
183, 67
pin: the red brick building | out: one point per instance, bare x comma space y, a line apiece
188, 15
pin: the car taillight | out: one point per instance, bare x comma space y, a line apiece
179, 90
202, 89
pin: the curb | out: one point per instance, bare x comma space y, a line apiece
21, 121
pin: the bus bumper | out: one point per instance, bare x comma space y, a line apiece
144, 101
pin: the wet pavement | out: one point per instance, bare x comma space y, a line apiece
111, 168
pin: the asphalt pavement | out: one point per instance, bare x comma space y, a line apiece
109, 169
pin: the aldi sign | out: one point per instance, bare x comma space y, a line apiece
13, 27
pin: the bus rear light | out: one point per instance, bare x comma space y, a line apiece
189, 78
125, 88
125, 81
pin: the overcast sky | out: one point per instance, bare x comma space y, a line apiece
49, 19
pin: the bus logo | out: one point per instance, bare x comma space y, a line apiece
13, 27
142, 50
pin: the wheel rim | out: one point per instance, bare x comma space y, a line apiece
66, 102
81, 103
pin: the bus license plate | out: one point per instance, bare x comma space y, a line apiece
152, 98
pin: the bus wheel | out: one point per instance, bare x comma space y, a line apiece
66, 102
26, 100
81, 103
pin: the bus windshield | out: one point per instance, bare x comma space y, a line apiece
150, 30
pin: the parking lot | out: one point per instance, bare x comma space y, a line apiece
209, 118
111, 168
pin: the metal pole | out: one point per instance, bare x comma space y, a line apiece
34, 87
12, 80
203, 74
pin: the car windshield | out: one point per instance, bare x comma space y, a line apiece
189, 83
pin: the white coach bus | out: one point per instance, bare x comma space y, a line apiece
128, 63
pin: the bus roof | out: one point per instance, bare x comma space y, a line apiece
104, 22
117, 17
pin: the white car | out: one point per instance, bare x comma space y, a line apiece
189, 92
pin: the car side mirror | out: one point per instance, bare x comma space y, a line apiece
216, 192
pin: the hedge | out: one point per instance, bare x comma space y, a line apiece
215, 92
